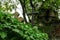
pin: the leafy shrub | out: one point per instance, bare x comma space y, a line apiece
12, 29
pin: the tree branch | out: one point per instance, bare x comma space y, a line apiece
23, 7
33, 8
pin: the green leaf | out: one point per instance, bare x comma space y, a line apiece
3, 35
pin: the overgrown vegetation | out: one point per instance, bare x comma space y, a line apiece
46, 18
12, 29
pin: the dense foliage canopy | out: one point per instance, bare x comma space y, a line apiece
44, 4
46, 17
12, 29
